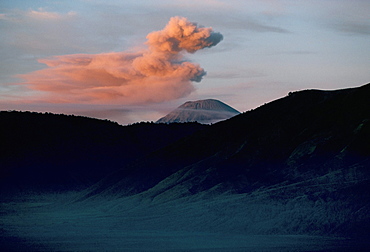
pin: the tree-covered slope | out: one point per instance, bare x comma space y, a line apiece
48, 151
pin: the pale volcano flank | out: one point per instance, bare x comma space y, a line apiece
202, 111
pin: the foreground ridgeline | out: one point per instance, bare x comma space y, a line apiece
294, 172
59, 152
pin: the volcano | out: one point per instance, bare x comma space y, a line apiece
203, 111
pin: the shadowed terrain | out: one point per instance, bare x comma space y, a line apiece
58, 152
291, 175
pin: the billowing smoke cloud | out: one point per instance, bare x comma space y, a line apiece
157, 74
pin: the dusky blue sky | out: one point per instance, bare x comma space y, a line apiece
268, 49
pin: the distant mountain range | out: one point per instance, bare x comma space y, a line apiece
301, 164
202, 111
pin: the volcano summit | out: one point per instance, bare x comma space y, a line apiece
202, 111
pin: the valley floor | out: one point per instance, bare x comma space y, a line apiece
224, 223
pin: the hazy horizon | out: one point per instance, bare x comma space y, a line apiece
124, 61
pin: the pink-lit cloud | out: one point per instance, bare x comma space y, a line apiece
156, 74
42, 14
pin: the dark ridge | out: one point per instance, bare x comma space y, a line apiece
49, 151
303, 135
309, 150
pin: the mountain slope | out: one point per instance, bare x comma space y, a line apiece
48, 151
292, 175
202, 111
299, 134
311, 147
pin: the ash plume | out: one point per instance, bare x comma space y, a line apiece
159, 73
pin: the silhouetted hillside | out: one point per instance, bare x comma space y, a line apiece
291, 175
310, 147
305, 134
298, 165
48, 151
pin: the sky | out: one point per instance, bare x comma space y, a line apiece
136, 60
